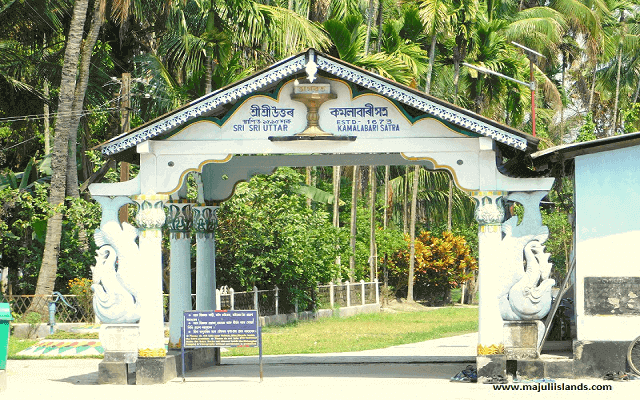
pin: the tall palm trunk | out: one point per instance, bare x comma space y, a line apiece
336, 202
354, 204
562, 72
456, 81
308, 182
372, 224
615, 105
380, 22
593, 88
78, 101
387, 172
60, 155
208, 75
450, 206
616, 123
459, 53
412, 248
637, 93
405, 213
432, 56
45, 91
336, 196
369, 23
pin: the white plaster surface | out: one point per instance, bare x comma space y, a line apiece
607, 233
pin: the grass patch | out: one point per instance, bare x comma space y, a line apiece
16, 345
363, 332
73, 335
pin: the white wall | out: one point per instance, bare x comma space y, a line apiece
607, 234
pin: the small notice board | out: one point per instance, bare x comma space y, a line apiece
221, 328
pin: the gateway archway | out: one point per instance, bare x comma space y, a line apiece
310, 109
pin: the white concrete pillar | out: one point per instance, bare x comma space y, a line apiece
179, 223
489, 213
150, 219
205, 222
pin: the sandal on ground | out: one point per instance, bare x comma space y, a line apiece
496, 379
616, 376
468, 374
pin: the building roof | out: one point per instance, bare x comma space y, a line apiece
572, 150
219, 101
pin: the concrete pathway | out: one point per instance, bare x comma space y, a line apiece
457, 349
420, 370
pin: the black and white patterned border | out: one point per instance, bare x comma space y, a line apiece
420, 103
225, 96
208, 103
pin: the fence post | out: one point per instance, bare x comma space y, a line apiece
331, 294
255, 299
364, 301
232, 300
218, 303
377, 291
348, 285
277, 300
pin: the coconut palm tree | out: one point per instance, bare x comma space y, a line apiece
347, 43
60, 154
436, 17
213, 43
433, 198
462, 22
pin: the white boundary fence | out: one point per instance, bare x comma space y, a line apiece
269, 302
327, 296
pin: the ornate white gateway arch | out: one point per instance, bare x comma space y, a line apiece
310, 109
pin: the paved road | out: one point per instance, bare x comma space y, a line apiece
372, 374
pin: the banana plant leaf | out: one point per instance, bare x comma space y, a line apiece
316, 194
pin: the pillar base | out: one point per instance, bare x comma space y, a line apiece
596, 358
155, 370
491, 365
521, 340
120, 343
115, 373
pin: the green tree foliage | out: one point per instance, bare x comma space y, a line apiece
267, 236
442, 262
587, 131
23, 223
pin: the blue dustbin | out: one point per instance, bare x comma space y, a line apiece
5, 317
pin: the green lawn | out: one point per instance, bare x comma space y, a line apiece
361, 332
364, 332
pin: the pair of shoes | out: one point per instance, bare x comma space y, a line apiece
616, 376
468, 374
496, 379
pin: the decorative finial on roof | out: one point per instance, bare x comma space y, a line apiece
311, 70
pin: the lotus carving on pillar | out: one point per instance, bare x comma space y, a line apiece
525, 293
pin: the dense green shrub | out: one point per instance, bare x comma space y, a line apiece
267, 236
